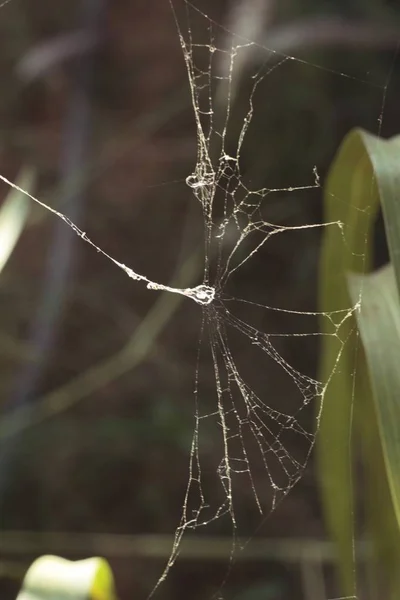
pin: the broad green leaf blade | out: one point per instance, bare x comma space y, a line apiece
379, 324
55, 578
366, 171
379, 416
384, 156
350, 199
13, 214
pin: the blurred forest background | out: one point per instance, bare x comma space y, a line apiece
97, 373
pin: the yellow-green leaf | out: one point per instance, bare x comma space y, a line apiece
351, 200
366, 172
379, 325
55, 578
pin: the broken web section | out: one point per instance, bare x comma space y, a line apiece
261, 413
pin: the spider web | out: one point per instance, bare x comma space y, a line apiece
263, 448
256, 437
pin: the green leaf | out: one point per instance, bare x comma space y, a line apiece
384, 156
379, 325
14, 213
365, 172
55, 578
350, 199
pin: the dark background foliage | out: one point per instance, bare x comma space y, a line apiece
94, 94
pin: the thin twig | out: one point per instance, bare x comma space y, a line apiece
322, 32
158, 547
44, 57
